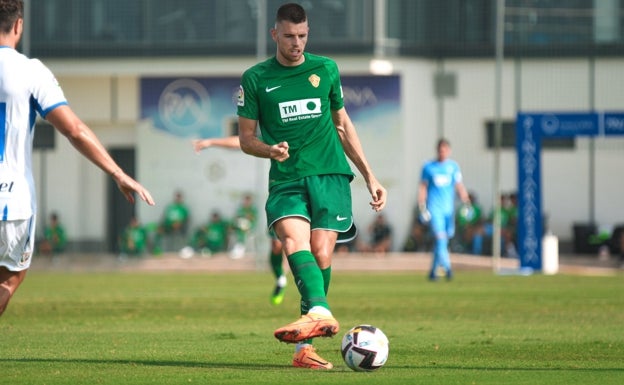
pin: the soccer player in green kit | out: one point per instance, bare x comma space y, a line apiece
296, 98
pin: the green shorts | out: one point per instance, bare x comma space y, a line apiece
323, 200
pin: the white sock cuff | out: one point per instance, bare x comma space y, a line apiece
300, 346
320, 310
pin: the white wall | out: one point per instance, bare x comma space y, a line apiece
106, 95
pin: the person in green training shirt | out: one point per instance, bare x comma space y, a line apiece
275, 254
54, 237
212, 236
244, 224
133, 239
296, 99
174, 223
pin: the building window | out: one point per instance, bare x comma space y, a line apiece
508, 137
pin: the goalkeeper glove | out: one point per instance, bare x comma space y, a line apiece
467, 212
425, 215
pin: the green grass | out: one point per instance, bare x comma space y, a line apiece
131, 328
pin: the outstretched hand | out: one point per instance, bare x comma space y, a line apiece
129, 187
198, 145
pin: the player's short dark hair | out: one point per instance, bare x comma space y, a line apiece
442, 142
10, 11
291, 12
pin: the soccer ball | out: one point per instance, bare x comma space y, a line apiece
364, 348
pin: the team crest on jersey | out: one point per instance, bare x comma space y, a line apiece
315, 80
240, 100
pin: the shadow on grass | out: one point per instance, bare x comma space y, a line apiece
264, 366
505, 368
183, 364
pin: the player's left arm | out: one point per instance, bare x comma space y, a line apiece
462, 192
84, 140
354, 151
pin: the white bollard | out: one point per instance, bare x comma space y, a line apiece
550, 254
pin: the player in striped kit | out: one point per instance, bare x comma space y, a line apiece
28, 88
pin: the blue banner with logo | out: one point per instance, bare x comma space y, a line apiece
613, 123
206, 107
190, 107
567, 124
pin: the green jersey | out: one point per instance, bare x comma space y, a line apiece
216, 235
56, 236
134, 239
294, 104
175, 213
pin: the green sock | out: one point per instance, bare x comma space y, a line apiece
276, 264
305, 307
308, 278
326, 278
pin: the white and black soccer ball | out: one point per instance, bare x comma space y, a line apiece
365, 348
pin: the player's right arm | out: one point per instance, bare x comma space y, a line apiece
250, 144
423, 210
248, 108
422, 194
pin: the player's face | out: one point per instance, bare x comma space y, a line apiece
444, 151
291, 40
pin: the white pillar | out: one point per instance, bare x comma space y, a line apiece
550, 254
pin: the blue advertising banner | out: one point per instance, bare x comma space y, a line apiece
613, 123
566, 124
206, 107
190, 107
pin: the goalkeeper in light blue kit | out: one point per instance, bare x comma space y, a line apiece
439, 180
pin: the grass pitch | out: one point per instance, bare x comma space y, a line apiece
166, 328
